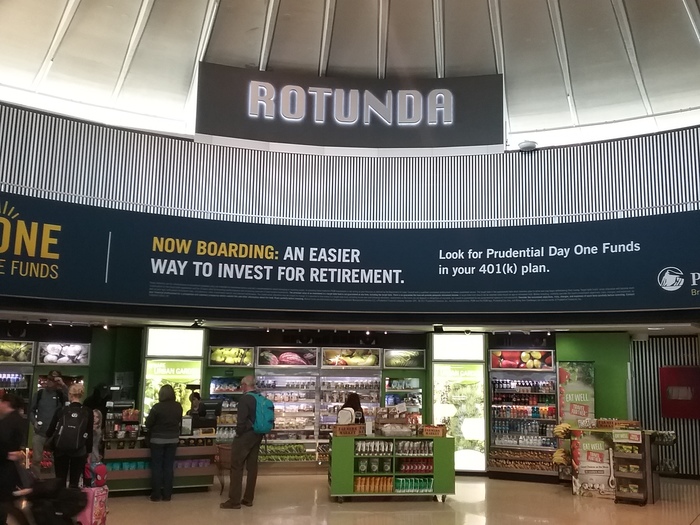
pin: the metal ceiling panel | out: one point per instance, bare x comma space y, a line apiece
604, 87
88, 61
297, 41
535, 92
163, 66
473, 55
668, 51
26, 32
354, 43
237, 34
410, 44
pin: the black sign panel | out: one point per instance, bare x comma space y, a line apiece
358, 113
72, 252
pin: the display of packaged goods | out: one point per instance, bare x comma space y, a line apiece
521, 465
523, 412
521, 454
369, 447
224, 385
373, 485
404, 485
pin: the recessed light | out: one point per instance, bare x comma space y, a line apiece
655, 328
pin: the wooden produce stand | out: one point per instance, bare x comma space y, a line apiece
195, 465
635, 475
391, 466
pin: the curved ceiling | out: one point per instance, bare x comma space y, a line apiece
574, 70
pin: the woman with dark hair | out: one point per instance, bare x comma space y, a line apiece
163, 424
13, 431
195, 400
352, 403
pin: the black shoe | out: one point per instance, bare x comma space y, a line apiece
246, 503
154, 498
167, 498
228, 504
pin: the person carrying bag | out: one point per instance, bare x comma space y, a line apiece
71, 434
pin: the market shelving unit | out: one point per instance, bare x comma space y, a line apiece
523, 396
632, 467
387, 466
195, 466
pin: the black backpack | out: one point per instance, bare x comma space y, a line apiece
72, 429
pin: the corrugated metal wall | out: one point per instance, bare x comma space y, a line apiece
58, 158
647, 358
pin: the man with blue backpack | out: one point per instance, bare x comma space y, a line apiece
256, 417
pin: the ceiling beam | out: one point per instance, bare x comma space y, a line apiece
623, 24
439, 34
273, 8
562, 52
382, 37
497, 34
205, 36
61, 30
499, 56
136, 34
694, 14
328, 18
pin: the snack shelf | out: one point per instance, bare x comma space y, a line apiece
524, 471
637, 496
508, 458
627, 455
630, 475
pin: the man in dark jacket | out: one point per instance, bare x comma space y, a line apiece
12, 435
47, 401
244, 450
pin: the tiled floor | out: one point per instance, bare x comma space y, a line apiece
303, 500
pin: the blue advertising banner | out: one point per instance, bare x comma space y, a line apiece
287, 108
57, 250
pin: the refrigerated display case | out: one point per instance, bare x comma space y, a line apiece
16, 380
406, 390
294, 394
458, 403
459, 393
523, 412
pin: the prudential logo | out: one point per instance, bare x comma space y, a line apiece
670, 279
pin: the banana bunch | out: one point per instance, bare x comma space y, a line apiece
562, 430
561, 457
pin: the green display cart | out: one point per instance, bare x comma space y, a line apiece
391, 466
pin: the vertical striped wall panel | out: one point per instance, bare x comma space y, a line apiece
58, 158
647, 358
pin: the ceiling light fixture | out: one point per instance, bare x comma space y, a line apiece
549, 333
106, 327
527, 145
367, 332
268, 330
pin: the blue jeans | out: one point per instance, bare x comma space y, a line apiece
162, 469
